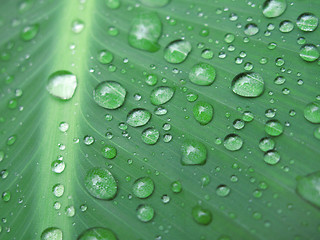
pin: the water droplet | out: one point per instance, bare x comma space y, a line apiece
203, 112
101, 184
274, 8
58, 166
279, 80
11, 140
138, 117
109, 95
58, 190
247, 116
238, 124
316, 133
271, 157
309, 53
97, 233
145, 32
207, 54
62, 84
251, 29
143, 187
150, 136
109, 152
286, 26
248, 84
312, 112
29, 32
77, 26
105, 57
223, 190
177, 51
88, 140
308, 188
145, 213
70, 211
229, 38
155, 3
193, 153
233, 142
266, 144
151, 79
273, 128
201, 216
307, 22
83, 207
161, 95
51, 233
202, 74
113, 4
176, 187
6, 196
63, 127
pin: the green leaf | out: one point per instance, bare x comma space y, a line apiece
101, 102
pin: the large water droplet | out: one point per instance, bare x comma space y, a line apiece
286, 26
101, 184
29, 32
308, 187
161, 95
62, 84
233, 142
273, 128
51, 233
177, 51
109, 94
138, 117
145, 32
248, 84
274, 8
223, 190
77, 26
143, 187
309, 53
109, 151
150, 136
155, 3
266, 144
145, 213
201, 216
202, 74
307, 22
203, 112
312, 112
97, 233
193, 153
251, 29
271, 157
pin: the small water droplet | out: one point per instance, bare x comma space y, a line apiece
143, 187
248, 84
193, 153
202, 74
138, 117
145, 213
203, 112
177, 51
109, 95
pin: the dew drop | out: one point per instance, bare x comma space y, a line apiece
105, 57
29, 32
143, 187
286, 26
308, 188
248, 84
177, 51
77, 26
58, 190
145, 31
176, 187
202, 74
309, 53
273, 128
138, 117
203, 112
109, 95
251, 29
233, 142
312, 112
266, 144
193, 153
274, 8
161, 95
201, 216
109, 152
101, 184
271, 157
97, 233
145, 213
223, 191
62, 84
155, 3
307, 22
63, 127
150, 136
51, 233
